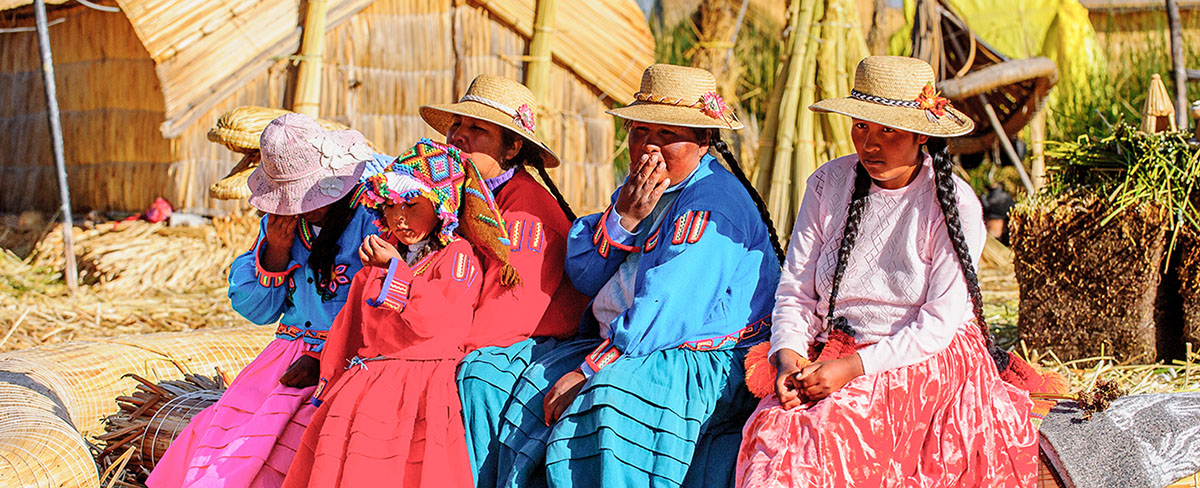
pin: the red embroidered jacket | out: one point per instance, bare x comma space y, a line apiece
545, 303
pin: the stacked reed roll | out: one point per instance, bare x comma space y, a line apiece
53, 397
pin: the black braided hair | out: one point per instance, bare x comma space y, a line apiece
325, 248
948, 199
857, 207
715, 141
530, 155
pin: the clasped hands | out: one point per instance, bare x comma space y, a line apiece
798, 385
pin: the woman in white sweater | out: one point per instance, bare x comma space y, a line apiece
884, 372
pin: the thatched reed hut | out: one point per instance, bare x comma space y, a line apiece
138, 89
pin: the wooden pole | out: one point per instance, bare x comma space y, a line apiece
1037, 135
541, 52
312, 50
1177, 63
56, 138
1007, 144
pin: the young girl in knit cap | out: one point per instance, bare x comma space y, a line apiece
388, 407
297, 275
886, 372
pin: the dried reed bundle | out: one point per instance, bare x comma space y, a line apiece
136, 257
823, 45
145, 278
150, 418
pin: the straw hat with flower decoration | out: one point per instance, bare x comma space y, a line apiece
680, 96
455, 188
899, 92
498, 100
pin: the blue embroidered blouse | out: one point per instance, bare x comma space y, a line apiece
705, 278
303, 307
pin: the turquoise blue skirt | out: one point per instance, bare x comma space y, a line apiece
672, 418
486, 378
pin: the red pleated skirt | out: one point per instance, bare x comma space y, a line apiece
949, 421
392, 422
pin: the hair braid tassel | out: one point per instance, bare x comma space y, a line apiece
1012, 368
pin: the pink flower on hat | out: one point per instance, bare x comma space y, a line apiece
713, 105
524, 117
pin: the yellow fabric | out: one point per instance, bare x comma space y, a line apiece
1057, 29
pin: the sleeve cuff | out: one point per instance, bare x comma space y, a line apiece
394, 293
586, 370
316, 398
605, 354
612, 224
313, 353
782, 338
269, 279
604, 239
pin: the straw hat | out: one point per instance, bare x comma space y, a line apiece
899, 92
305, 167
498, 100
681, 96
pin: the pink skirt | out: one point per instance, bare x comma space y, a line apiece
947, 421
247, 438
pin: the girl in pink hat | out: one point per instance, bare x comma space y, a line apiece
297, 275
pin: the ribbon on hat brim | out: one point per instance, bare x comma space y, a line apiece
929, 100
711, 104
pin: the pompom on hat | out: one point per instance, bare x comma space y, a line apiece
899, 92
498, 100
680, 96
455, 187
305, 167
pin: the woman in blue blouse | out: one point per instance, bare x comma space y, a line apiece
683, 270
298, 274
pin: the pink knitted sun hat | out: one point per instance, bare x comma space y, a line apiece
305, 167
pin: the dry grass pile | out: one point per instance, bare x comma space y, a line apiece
137, 278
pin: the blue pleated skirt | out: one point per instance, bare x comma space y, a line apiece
486, 378
672, 418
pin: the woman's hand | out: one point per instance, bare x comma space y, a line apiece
640, 193
281, 231
787, 364
303, 373
375, 251
820, 379
562, 394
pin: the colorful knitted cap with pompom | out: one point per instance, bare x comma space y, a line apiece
454, 186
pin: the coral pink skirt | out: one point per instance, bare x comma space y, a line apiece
247, 438
394, 422
947, 421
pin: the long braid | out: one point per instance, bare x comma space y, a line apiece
716, 142
530, 155
948, 199
562, 202
858, 205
